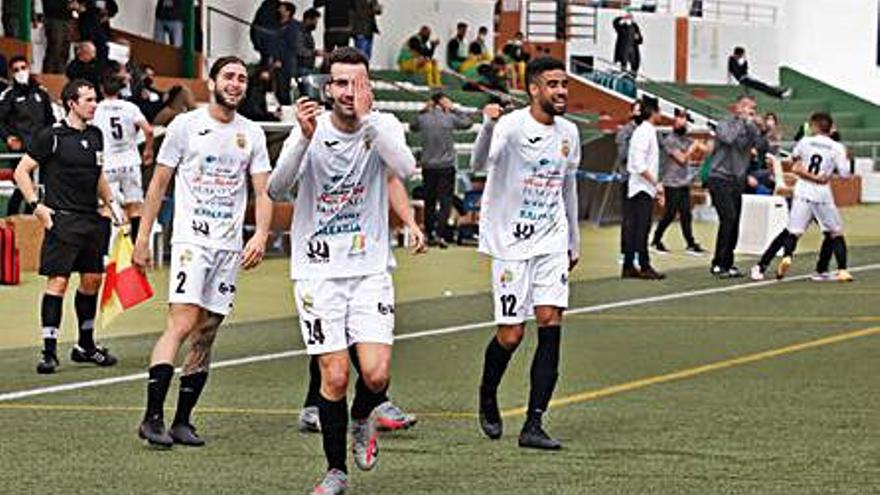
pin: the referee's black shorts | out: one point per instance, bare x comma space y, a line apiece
77, 242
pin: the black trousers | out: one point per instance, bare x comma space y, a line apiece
678, 201
727, 199
761, 86
439, 186
639, 211
624, 216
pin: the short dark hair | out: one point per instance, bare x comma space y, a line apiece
311, 14
347, 55
288, 6
541, 65
823, 121
112, 84
222, 62
461, 25
436, 97
739, 51
16, 59
483, 29
650, 106
71, 91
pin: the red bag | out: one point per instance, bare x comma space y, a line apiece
10, 265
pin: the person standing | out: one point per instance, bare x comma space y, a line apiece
337, 22
306, 52
211, 153
364, 26
679, 156
626, 47
644, 187
169, 22
622, 139
343, 289
529, 227
69, 154
288, 37
436, 122
735, 137
264, 31
94, 25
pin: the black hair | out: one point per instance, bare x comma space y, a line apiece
823, 121
541, 65
71, 91
311, 14
348, 55
436, 97
112, 84
739, 51
289, 6
650, 106
483, 29
16, 59
223, 62
461, 25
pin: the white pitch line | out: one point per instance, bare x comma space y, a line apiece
10, 396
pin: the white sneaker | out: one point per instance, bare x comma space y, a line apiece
756, 273
821, 277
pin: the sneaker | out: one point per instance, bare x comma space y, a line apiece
309, 420
695, 250
732, 272
99, 355
659, 247
153, 431
844, 276
756, 273
650, 274
784, 266
334, 483
390, 417
822, 277
631, 272
365, 446
185, 434
787, 94
48, 363
533, 436
716, 270
490, 417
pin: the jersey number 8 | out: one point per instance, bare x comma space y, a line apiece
815, 164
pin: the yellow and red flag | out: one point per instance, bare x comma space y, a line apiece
124, 285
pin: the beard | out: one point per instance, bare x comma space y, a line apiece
224, 102
550, 108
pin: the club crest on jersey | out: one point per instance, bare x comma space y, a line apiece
566, 147
506, 276
358, 244
241, 140
185, 257
85, 144
308, 302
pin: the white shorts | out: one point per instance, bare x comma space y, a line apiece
803, 212
125, 182
203, 276
335, 313
519, 286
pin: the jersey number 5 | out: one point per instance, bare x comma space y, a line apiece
116, 126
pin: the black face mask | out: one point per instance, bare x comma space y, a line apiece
681, 131
148, 82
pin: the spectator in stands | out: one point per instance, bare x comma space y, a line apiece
456, 47
773, 132
469, 68
94, 25
264, 30
644, 189
25, 109
738, 69
649, 6
306, 52
364, 26
11, 18
436, 122
696, 8
680, 154
288, 38
180, 100
337, 22
624, 134
626, 47
480, 44
417, 56
57, 15
85, 65
4, 83
169, 21
260, 102
518, 57
735, 138
149, 99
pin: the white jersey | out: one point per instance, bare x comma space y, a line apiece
821, 155
118, 121
523, 212
213, 160
340, 219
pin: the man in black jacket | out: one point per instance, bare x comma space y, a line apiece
738, 69
264, 30
626, 48
337, 22
25, 109
94, 25
57, 15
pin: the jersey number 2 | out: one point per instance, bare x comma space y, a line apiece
181, 279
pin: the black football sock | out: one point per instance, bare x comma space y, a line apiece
770, 253
135, 225
545, 371
838, 245
365, 400
50, 319
824, 254
334, 428
191, 387
314, 382
86, 307
790, 244
494, 365
356, 364
157, 389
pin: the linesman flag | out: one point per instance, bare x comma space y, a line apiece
124, 286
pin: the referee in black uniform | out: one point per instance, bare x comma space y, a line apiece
69, 154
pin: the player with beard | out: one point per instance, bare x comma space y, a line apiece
213, 150
529, 228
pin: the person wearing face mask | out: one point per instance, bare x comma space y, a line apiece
626, 48
417, 56
679, 155
480, 43
25, 109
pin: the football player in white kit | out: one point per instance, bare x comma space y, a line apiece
529, 227
341, 254
119, 121
816, 159
213, 151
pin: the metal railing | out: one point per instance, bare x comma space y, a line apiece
215, 12
546, 22
732, 10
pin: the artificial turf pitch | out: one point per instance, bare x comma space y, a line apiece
766, 389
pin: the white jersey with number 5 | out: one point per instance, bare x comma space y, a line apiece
523, 211
118, 121
821, 155
213, 160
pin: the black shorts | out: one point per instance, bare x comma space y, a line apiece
76, 242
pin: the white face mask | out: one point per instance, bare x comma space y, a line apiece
22, 77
